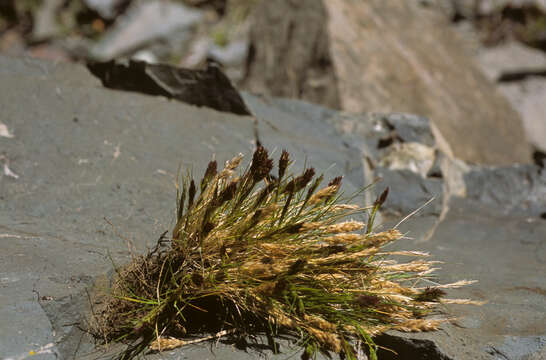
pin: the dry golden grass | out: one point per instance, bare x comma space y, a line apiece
269, 253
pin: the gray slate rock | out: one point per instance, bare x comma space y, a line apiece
506, 253
83, 153
378, 137
518, 189
409, 191
209, 87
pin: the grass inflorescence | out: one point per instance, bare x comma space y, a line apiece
265, 251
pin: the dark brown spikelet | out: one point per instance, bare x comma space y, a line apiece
313, 187
264, 170
283, 163
191, 194
334, 249
430, 294
182, 199
382, 198
280, 286
258, 158
297, 266
336, 181
367, 300
228, 193
300, 182
304, 179
261, 164
291, 186
287, 203
292, 228
209, 174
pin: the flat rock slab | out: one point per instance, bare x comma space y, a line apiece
507, 254
81, 153
85, 157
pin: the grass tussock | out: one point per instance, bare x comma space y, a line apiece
273, 253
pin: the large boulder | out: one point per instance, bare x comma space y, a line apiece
400, 56
519, 72
394, 56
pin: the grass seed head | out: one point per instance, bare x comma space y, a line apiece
346, 226
227, 193
257, 253
209, 174
430, 294
261, 164
283, 163
323, 194
336, 181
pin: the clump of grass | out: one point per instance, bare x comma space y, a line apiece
269, 252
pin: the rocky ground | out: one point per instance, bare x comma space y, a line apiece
77, 157
86, 170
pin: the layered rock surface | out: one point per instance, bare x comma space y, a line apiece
80, 154
395, 56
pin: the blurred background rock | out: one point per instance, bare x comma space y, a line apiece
476, 68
